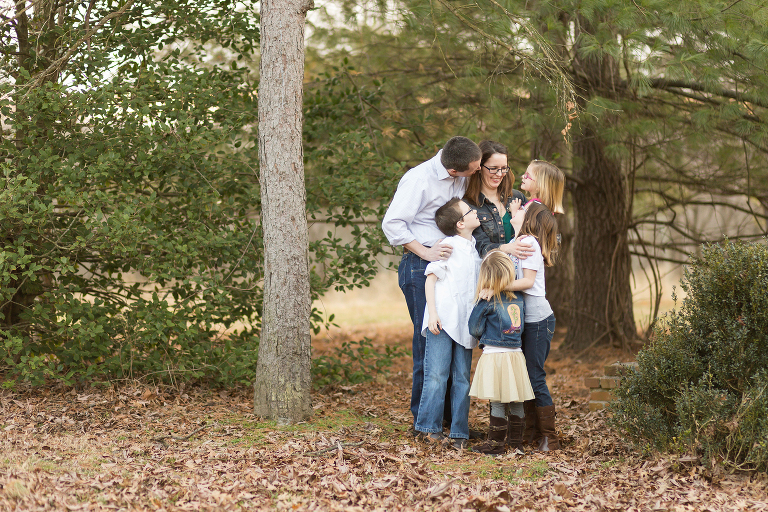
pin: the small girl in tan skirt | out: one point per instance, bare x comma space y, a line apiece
501, 375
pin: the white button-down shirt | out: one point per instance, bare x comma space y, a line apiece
421, 191
455, 290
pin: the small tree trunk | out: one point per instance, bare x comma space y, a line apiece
283, 380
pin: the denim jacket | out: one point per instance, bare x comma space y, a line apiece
490, 234
498, 323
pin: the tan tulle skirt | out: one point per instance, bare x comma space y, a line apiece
501, 377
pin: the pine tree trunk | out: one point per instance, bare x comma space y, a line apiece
546, 145
559, 278
601, 310
283, 380
549, 145
602, 298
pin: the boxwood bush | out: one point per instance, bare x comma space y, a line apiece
701, 385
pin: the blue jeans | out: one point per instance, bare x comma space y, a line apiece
537, 338
411, 278
444, 358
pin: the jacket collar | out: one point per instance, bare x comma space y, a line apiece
482, 198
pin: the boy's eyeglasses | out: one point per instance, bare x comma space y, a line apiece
497, 170
470, 211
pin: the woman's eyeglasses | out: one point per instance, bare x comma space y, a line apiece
497, 170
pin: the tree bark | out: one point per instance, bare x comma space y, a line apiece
283, 380
559, 278
549, 145
601, 309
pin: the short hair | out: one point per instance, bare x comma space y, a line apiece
458, 153
551, 182
475, 184
447, 216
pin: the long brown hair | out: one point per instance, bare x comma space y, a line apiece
541, 223
497, 273
489, 148
551, 182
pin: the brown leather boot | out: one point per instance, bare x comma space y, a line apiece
515, 428
494, 443
531, 434
549, 440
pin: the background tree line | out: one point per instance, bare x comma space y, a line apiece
669, 115
130, 194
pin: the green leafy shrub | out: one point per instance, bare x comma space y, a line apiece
130, 200
700, 385
352, 363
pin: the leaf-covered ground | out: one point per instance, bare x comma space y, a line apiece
141, 447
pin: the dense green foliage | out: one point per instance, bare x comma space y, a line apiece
129, 196
701, 384
127, 202
129, 199
672, 109
352, 363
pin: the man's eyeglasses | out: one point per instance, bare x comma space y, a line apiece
497, 170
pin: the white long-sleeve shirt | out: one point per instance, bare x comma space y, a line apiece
421, 191
455, 290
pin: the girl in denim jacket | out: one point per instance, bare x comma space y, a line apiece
501, 374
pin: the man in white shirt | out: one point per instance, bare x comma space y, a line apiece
410, 222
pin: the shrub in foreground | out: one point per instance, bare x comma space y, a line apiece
701, 385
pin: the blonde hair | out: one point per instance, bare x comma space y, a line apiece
551, 182
497, 273
541, 223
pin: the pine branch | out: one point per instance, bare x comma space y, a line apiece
672, 85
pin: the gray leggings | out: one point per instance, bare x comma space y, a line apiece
499, 409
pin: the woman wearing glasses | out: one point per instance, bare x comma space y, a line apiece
491, 192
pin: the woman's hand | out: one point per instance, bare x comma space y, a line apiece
517, 248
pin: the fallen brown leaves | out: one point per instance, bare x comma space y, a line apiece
135, 447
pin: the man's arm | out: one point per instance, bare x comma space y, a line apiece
401, 212
407, 202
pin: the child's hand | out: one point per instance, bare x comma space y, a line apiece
514, 206
485, 294
434, 324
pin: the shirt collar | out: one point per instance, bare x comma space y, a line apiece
440, 171
460, 241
